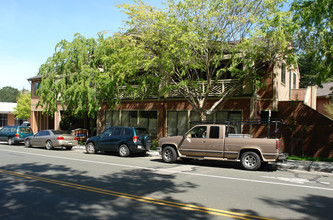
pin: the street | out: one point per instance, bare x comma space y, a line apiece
52, 184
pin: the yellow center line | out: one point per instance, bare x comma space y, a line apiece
137, 198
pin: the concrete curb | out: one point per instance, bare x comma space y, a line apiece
306, 166
326, 167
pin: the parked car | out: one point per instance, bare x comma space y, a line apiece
214, 142
15, 134
124, 140
26, 123
51, 139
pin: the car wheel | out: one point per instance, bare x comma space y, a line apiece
250, 160
27, 143
69, 148
10, 141
49, 145
169, 154
90, 148
124, 150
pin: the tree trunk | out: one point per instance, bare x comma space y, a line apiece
203, 117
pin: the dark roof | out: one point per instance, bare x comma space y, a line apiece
35, 77
326, 90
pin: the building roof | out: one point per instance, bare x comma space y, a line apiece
7, 107
326, 90
35, 77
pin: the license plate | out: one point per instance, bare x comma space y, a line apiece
70, 143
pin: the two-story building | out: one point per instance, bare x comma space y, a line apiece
173, 115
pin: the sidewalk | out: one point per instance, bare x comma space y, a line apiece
306, 165
285, 165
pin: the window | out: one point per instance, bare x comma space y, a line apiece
230, 116
127, 132
43, 133
112, 118
177, 122
36, 86
107, 133
117, 132
283, 73
294, 81
198, 132
195, 118
145, 119
129, 118
148, 120
25, 130
3, 120
214, 132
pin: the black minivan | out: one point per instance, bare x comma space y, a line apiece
121, 139
15, 134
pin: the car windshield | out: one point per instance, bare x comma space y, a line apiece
141, 131
25, 130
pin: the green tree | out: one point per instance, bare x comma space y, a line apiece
79, 76
23, 108
9, 94
314, 36
307, 70
329, 109
191, 43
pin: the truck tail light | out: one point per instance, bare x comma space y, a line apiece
135, 139
17, 135
60, 138
277, 144
75, 138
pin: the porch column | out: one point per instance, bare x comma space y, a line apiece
57, 119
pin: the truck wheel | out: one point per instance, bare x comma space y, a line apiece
250, 160
169, 154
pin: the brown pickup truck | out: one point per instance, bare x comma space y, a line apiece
219, 142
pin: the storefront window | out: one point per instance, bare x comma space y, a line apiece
195, 118
111, 118
129, 118
148, 120
3, 120
177, 123
145, 119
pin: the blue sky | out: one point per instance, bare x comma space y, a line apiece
30, 30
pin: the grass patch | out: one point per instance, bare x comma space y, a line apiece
318, 159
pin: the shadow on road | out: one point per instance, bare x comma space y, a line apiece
22, 198
319, 207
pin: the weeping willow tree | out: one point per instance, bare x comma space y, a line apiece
79, 76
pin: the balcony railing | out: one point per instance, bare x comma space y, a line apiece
220, 87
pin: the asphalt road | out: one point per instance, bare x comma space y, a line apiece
59, 184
